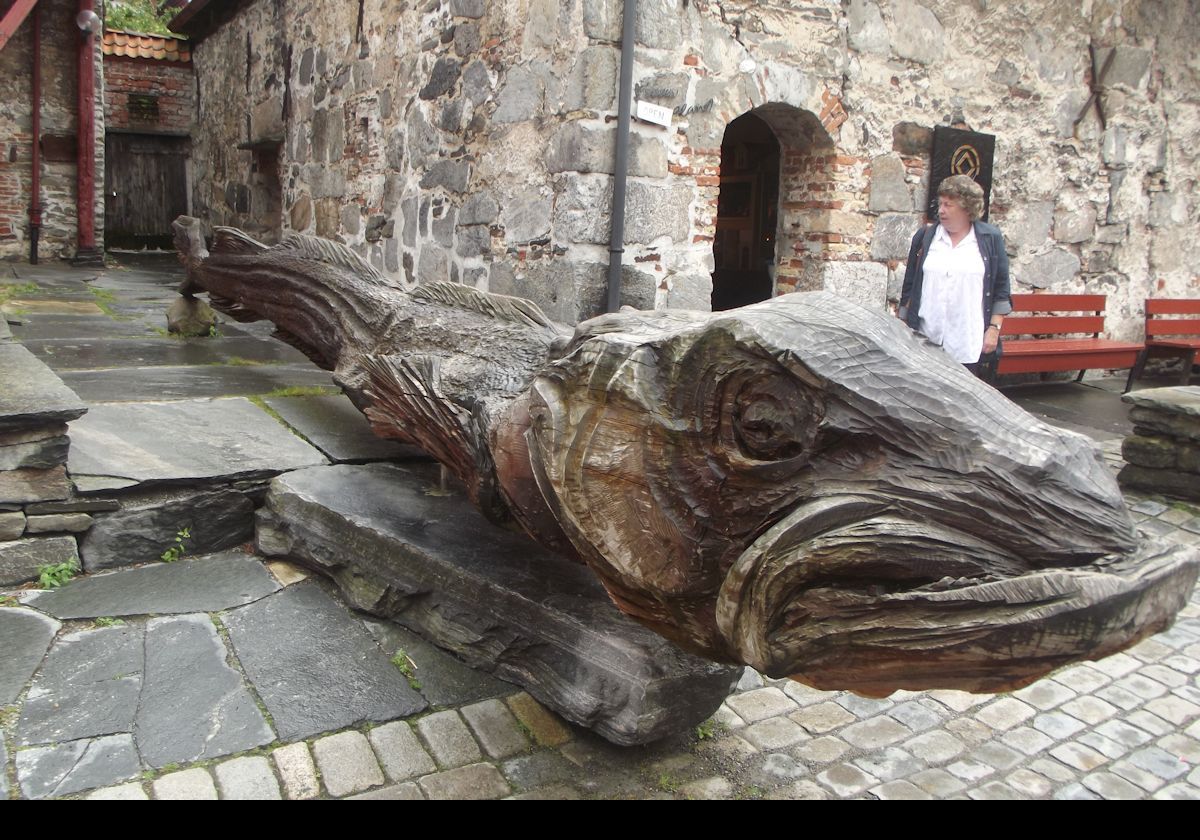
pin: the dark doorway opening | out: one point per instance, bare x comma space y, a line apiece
747, 215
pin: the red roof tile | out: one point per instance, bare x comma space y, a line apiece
137, 45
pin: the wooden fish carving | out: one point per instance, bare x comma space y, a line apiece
800, 485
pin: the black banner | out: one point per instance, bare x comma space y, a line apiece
958, 152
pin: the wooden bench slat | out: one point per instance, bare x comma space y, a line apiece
1169, 326
1181, 343
1051, 325
1167, 306
1058, 303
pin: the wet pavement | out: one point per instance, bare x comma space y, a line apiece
227, 676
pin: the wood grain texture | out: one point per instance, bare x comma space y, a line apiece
800, 485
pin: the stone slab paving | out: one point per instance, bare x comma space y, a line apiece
300, 643
185, 440
26, 636
204, 584
30, 394
175, 382
104, 351
74, 766
338, 429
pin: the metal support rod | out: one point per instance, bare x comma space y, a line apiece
85, 200
621, 168
35, 179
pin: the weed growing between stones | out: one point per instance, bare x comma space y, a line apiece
54, 576
710, 729
108, 621
8, 291
408, 668
177, 550
104, 300
8, 601
305, 391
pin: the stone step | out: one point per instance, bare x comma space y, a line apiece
501, 603
32, 395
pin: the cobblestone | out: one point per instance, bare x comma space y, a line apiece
775, 734
761, 704
449, 741
1091, 710
935, 747
1174, 710
476, 781
1027, 739
1045, 694
875, 733
249, 777
185, 784
821, 750
545, 727
1031, 784
846, 780
1110, 786
899, 790
1180, 792
119, 793
823, 717
1078, 756
497, 730
889, 764
1058, 725
347, 764
297, 771
995, 791
937, 783
403, 792
1005, 713
400, 752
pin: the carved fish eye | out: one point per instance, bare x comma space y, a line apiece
774, 417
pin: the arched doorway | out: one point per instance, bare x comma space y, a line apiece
747, 214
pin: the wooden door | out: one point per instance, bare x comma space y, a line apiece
145, 188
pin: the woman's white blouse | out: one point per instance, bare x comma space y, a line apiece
952, 296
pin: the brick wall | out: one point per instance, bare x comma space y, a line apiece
170, 83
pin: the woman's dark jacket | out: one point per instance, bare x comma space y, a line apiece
997, 296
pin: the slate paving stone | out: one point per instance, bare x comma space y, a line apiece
31, 394
66, 354
338, 429
185, 440
26, 637
300, 643
3, 771
74, 766
216, 714
172, 382
445, 680
202, 584
88, 686
49, 327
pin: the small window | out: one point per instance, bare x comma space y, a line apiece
143, 107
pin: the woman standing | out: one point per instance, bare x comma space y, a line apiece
956, 287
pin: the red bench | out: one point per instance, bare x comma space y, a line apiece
1177, 337
1043, 321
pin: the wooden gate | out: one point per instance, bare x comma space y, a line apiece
145, 188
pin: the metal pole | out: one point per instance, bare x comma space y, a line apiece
35, 180
616, 244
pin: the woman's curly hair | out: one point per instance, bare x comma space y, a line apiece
969, 194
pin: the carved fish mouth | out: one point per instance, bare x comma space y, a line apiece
847, 593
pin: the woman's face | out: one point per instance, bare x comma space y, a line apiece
952, 215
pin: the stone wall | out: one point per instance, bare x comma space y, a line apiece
59, 119
470, 141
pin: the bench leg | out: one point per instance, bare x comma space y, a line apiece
1135, 372
1189, 359
1079, 378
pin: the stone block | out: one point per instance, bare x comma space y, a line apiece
526, 218
12, 525
442, 78
478, 209
141, 532
473, 241
297, 771
602, 20
315, 508
575, 148
449, 740
468, 8
496, 729
659, 24
131, 791
34, 485
74, 766
72, 523
862, 282
1051, 269
570, 292
21, 559
893, 235
1074, 226
32, 395
909, 138
347, 763
451, 175
433, 265
477, 83
399, 751
868, 32
194, 784
27, 636
582, 213
476, 781
918, 34
40, 448
1129, 68
889, 189
1168, 482
247, 778
521, 96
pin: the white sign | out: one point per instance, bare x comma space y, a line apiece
651, 113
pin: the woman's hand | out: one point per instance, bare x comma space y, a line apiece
991, 339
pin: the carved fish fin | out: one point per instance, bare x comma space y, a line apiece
407, 387
227, 240
332, 253
502, 307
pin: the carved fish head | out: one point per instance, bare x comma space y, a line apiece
804, 486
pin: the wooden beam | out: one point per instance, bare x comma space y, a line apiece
13, 19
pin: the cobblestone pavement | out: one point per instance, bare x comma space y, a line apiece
122, 686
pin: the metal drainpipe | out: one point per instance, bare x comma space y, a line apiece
85, 198
620, 175
35, 186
